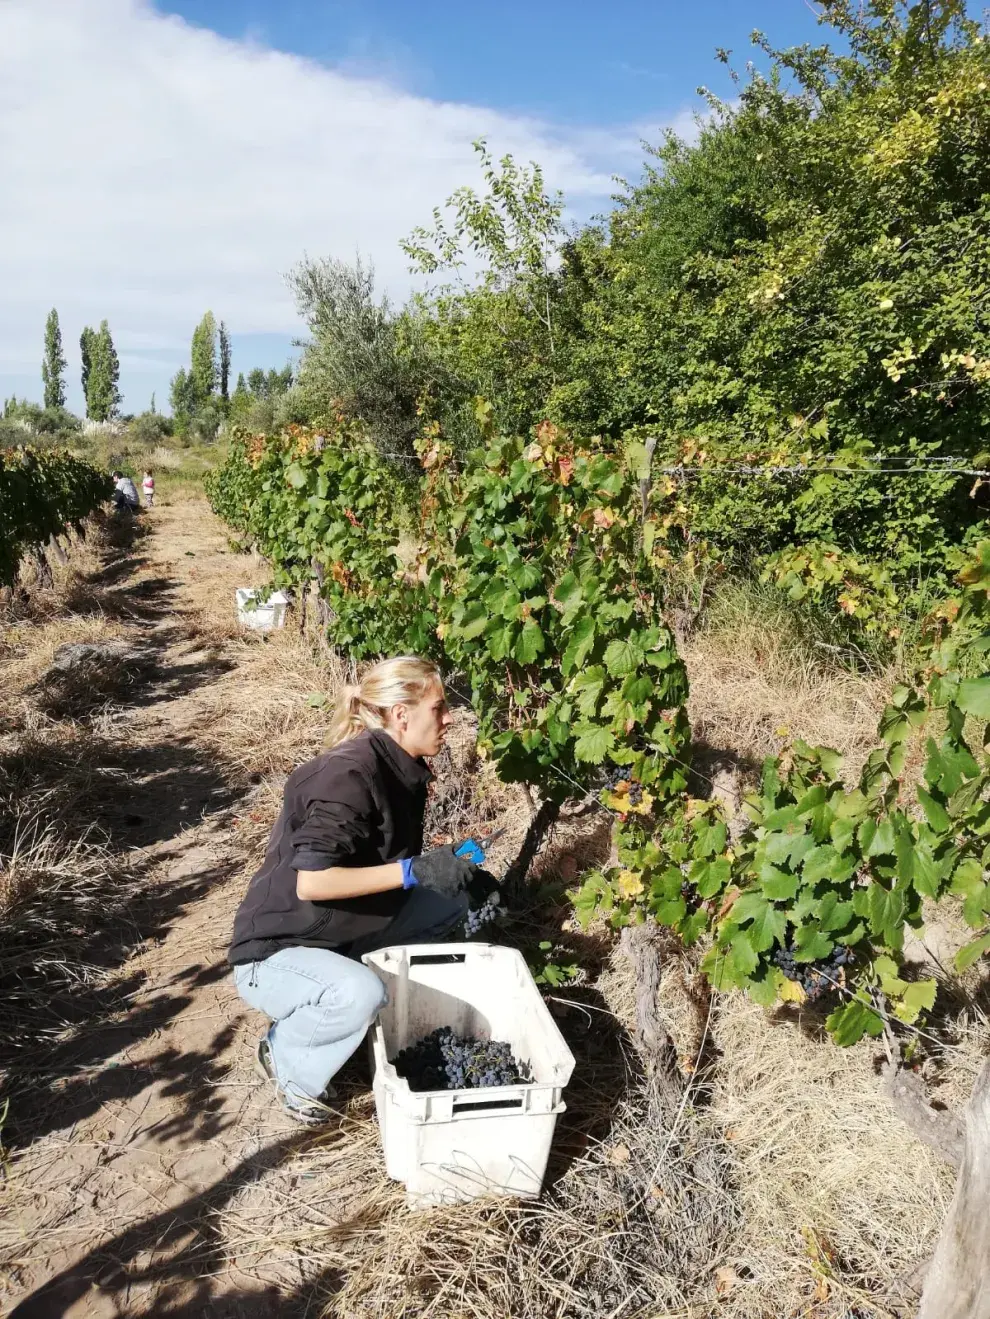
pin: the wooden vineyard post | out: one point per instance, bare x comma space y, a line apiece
957, 1285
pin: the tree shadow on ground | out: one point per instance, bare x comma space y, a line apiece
81, 1026
138, 680
127, 795
180, 1256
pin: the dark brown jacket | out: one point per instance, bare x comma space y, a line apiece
360, 804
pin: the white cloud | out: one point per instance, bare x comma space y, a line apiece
152, 169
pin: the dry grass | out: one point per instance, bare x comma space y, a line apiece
754, 672
836, 1198
162, 456
263, 721
63, 889
59, 894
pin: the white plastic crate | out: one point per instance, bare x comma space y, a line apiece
267, 616
454, 1145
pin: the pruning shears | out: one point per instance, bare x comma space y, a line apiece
476, 849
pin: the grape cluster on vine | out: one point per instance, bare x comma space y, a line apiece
479, 917
619, 782
444, 1060
689, 892
816, 978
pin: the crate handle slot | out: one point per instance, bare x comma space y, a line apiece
481, 1105
437, 959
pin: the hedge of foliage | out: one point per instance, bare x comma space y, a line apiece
793, 305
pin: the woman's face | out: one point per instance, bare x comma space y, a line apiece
421, 728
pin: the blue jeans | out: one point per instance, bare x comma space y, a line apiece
322, 1003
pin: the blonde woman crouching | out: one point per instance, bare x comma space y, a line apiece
344, 874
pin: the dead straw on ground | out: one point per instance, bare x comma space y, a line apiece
836, 1197
758, 680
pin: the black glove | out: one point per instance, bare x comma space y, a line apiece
442, 871
481, 886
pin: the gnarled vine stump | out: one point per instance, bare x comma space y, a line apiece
958, 1282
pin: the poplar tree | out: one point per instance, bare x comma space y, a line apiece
203, 365
54, 364
180, 397
224, 363
86, 341
103, 394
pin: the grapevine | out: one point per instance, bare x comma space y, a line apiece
324, 509
539, 578
811, 902
42, 494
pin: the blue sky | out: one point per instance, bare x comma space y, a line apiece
165, 157
566, 60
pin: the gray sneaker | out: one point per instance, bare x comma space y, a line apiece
310, 1112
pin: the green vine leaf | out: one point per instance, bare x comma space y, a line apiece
974, 697
580, 645
935, 813
847, 1025
593, 744
622, 657
765, 924
972, 952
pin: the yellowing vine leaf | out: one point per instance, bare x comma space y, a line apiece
791, 992
629, 883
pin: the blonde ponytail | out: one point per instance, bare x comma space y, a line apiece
403, 680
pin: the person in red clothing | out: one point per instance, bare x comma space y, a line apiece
344, 874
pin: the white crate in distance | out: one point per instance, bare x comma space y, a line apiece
454, 1145
267, 615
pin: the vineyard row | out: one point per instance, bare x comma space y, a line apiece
42, 495
537, 577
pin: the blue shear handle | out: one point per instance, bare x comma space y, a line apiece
471, 850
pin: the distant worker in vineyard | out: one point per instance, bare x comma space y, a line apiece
344, 874
124, 494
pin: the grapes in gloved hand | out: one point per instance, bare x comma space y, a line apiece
439, 870
481, 886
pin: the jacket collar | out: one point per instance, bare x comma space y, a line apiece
412, 771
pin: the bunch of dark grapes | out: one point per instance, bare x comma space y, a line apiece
816, 978
445, 1061
481, 916
689, 892
618, 781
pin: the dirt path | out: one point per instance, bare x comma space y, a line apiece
116, 1190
